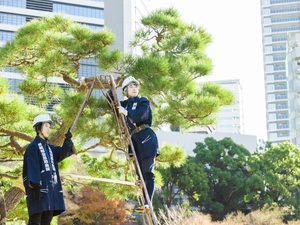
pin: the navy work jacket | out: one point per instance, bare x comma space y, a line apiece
145, 142
40, 166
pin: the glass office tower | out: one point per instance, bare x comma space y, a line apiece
15, 13
280, 19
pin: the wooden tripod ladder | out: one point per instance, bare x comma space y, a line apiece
149, 216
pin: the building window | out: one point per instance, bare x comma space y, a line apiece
282, 29
14, 3
41, 5
285, 19
282, 116
6, 36
285, 10
280, 87
279, 48
279, 58
282, 126
79, 10
13, 85
281, 96
280, 77
174, 128
7, 18
279, 67
279, 39
88, 71
281, 106
282, 1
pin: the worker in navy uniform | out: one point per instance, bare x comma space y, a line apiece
138, 116
44, 196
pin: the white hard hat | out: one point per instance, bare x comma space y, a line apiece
128, 81
42, 118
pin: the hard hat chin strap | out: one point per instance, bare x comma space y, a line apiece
42, 135
38, 129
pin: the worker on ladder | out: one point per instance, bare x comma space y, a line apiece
138, 116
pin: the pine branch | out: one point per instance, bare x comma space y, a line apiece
8, 176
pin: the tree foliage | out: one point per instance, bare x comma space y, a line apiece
172, 58
281, 173
187, 180
226, 167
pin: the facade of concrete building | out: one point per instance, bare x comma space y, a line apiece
231, 118
123, 19
188, 141
280, 19
293, 74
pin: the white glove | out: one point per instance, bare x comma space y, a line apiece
123, 111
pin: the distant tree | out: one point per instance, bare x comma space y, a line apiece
169, 190
236, 179
281, 173
229, 180
188, 180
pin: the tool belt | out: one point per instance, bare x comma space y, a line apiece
139, 128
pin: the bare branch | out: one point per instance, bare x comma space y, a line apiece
85, 83
11, 160
21, 135
8, 176
90, 148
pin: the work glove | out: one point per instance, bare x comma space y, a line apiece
36, 190
109, 95
122, 110
68, 135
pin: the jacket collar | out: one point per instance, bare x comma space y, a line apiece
41, 140
134, 99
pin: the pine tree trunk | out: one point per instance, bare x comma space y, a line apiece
2, 209
11, 199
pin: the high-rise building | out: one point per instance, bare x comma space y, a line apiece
293, 72
280, 19
231, 118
